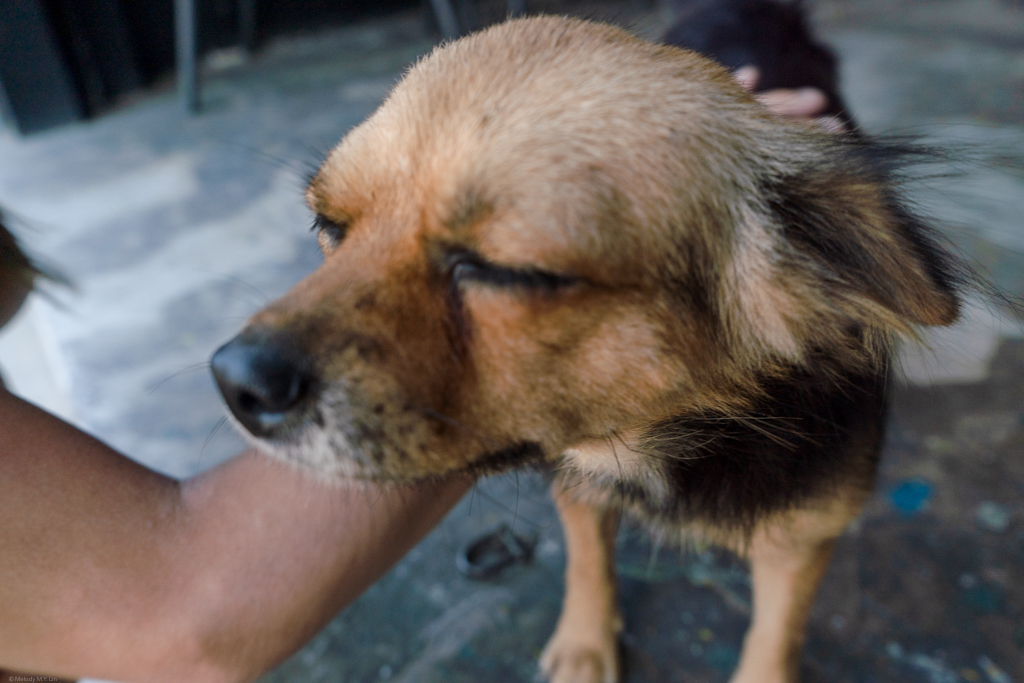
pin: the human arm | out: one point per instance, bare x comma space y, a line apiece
110, 570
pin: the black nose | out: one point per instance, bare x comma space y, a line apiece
266, 382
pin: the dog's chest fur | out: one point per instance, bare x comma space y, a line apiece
807, 437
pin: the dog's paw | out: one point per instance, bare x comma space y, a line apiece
569, 659
747, 676
748, 672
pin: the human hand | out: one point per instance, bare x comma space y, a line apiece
801, 104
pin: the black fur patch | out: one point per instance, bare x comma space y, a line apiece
729, 471
831, 231
522, 454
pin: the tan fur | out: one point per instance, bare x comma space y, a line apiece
788, 559
488, 165
766, 311
676, 224
788, 553
584, 646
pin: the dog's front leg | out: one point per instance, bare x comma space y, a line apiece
788, 559
584, 648
785, 581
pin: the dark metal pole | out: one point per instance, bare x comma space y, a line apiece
247, 24
446, 18
185, 54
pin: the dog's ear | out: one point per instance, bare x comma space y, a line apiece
845, 229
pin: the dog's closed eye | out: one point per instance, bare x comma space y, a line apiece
467, 267
329, 232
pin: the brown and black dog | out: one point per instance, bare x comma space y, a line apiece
557, 243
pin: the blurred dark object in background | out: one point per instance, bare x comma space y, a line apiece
38, 88
17, 275
65, 60
770, 34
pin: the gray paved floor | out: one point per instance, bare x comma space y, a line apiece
175, 229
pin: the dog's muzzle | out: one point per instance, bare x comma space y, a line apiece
267, 382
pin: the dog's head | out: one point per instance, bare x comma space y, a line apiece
551, 232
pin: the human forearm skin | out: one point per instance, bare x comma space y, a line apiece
109, 570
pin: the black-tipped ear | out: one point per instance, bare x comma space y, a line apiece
843, 220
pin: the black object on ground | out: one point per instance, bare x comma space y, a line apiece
484, 557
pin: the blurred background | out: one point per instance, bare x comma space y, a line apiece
174, 226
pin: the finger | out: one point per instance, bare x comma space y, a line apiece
747, 77
803, 103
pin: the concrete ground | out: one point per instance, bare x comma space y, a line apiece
174, 229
